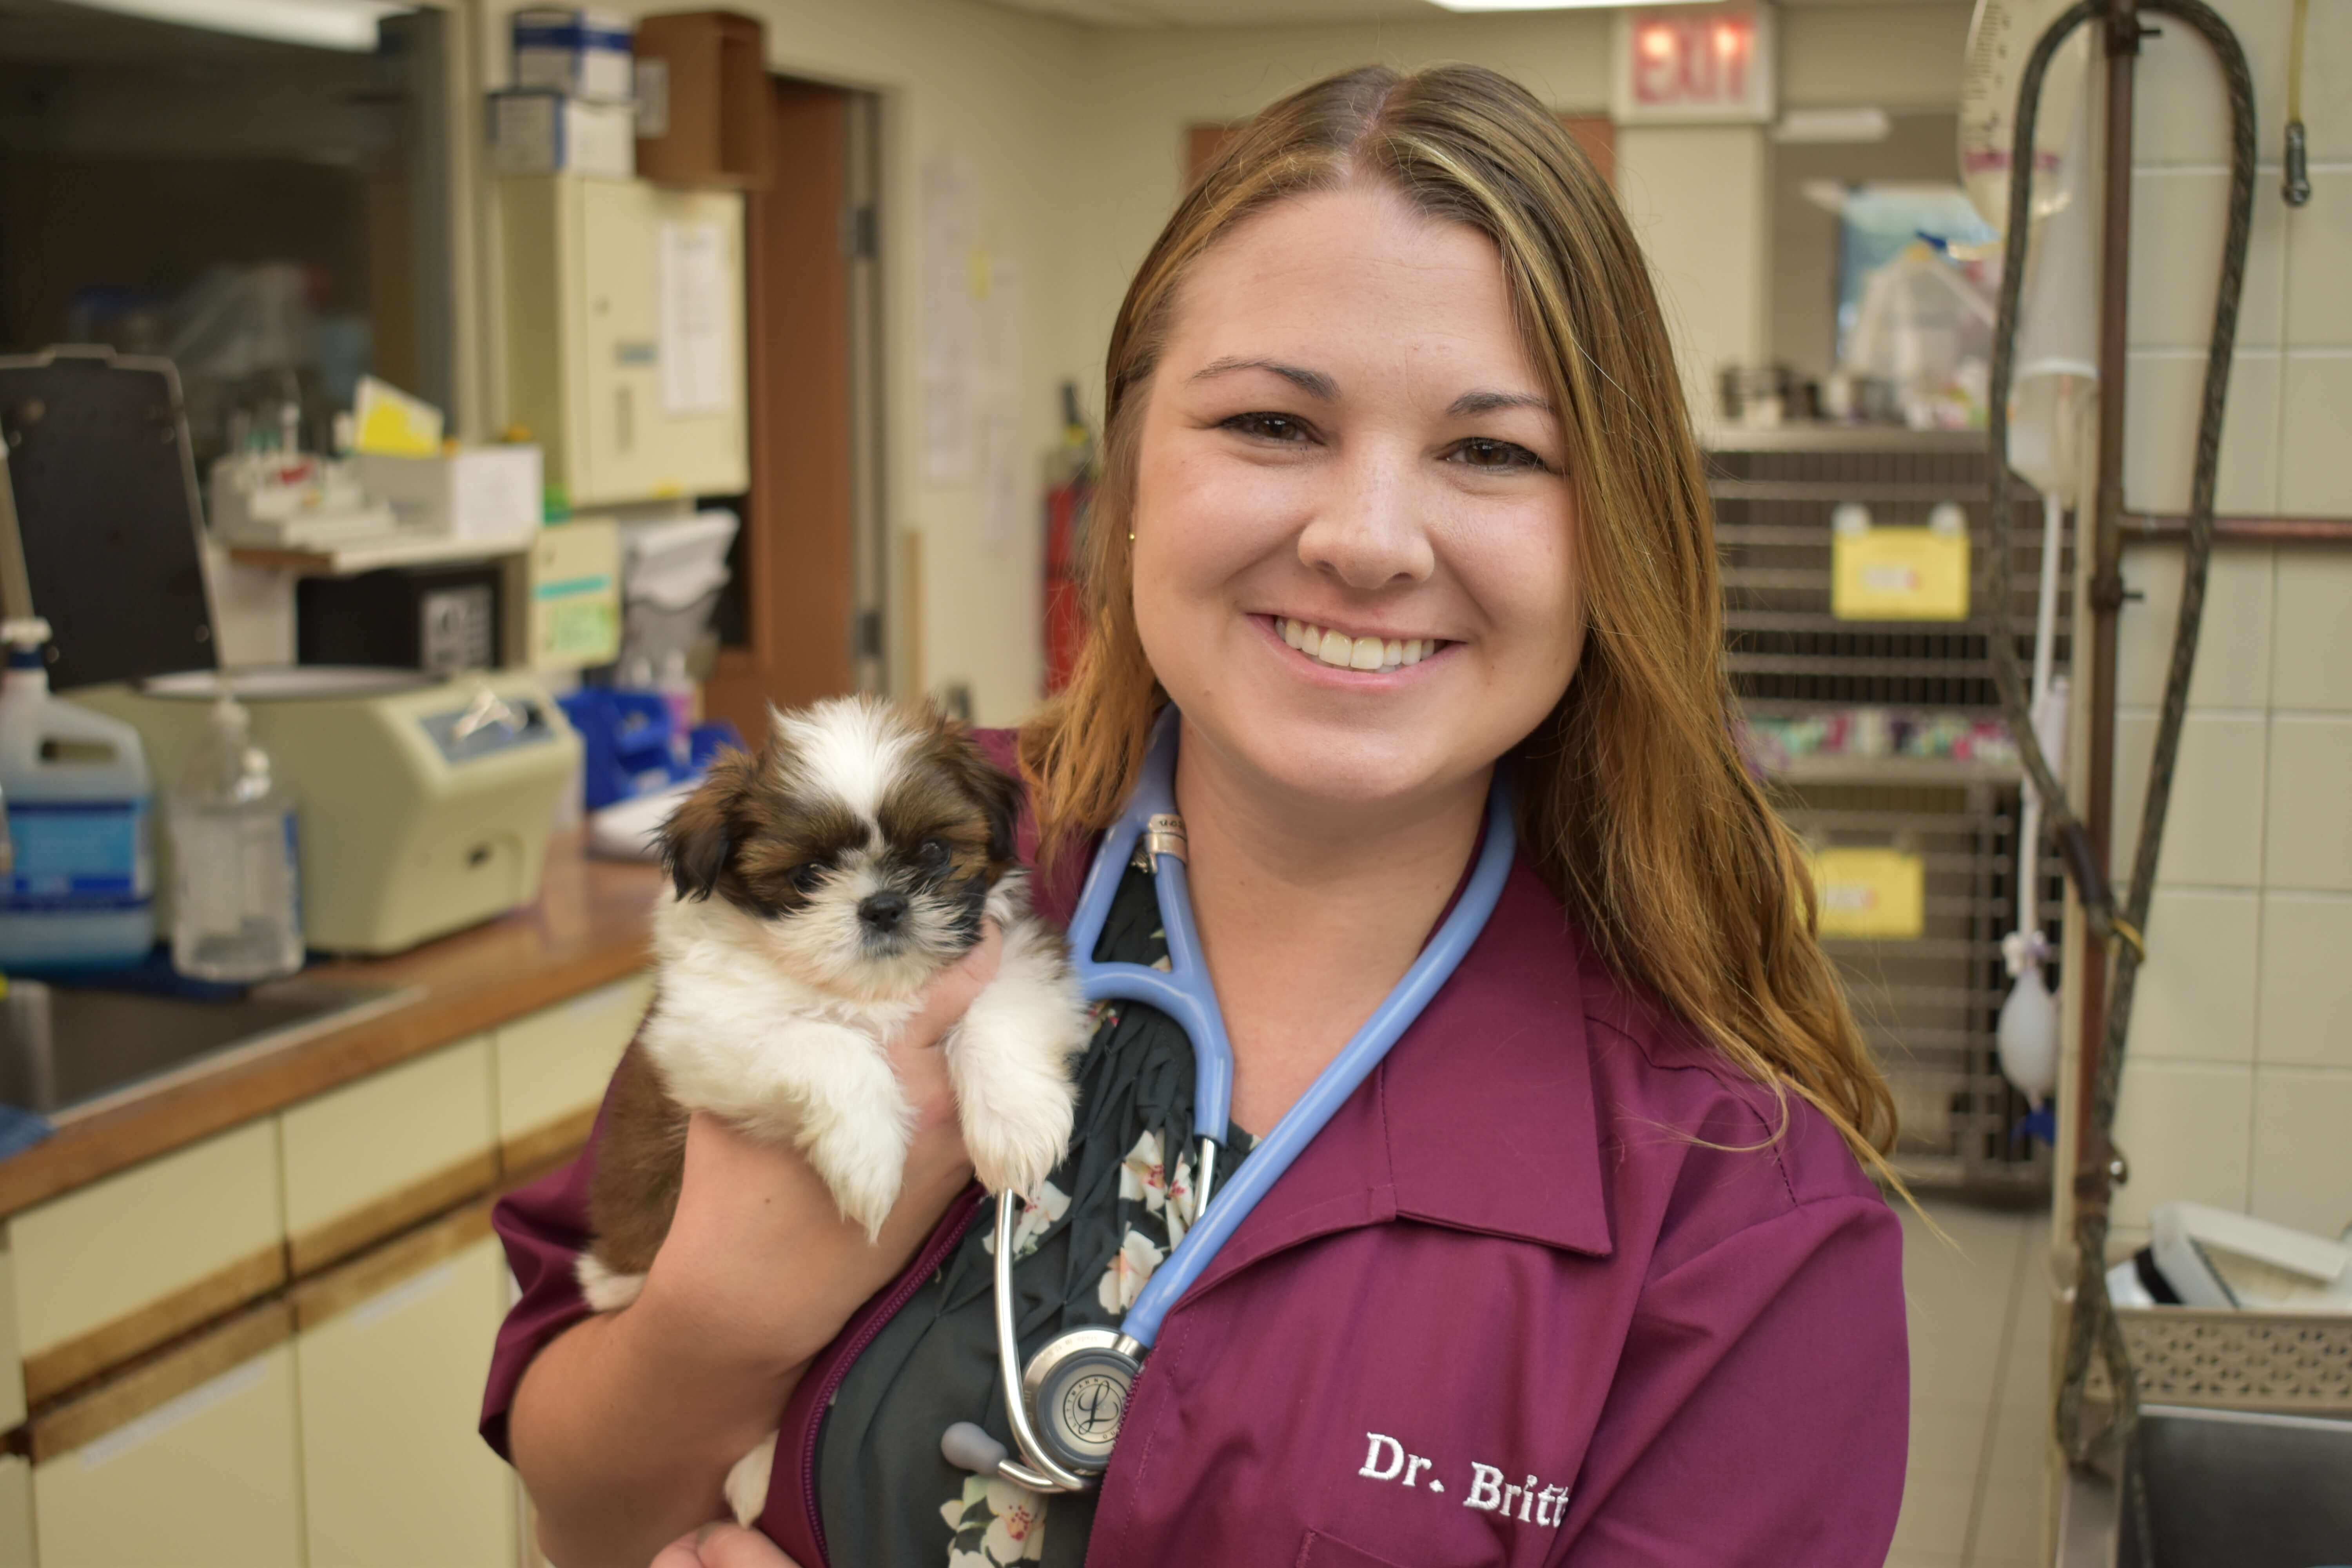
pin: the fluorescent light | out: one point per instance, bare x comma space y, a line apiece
1809, 126
1550, 5
319, 23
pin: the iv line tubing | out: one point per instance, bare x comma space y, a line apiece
2094, 1323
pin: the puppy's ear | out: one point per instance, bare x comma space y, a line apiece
998, 791
699, 839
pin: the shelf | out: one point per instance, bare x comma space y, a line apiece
1837, 769
1828, 437
351, 558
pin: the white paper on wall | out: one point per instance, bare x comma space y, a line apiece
694, 359
951, 328
1005, 476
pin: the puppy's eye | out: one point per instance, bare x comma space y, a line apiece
808, 878
933, 854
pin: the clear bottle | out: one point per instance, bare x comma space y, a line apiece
236, 910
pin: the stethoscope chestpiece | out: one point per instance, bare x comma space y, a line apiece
1074, 1392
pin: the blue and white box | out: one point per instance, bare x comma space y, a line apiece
584, 53
537, 131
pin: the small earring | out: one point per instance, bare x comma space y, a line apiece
1130, 536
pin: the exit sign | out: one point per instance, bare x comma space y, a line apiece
1695, 64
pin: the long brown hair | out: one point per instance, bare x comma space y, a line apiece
1634, 804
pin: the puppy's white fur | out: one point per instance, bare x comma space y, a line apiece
779, 1025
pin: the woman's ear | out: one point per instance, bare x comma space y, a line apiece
698, 842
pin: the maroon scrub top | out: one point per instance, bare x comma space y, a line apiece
1557, 1285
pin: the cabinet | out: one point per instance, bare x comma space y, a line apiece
124, 1264
624, 336
554, 1066
366, 1160
191, 1461
391, 1358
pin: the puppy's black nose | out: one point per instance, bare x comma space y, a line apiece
882, 912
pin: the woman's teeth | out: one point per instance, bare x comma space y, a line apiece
1341, 651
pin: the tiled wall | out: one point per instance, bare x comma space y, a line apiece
2238, 1090
2282, 452
2239, 1087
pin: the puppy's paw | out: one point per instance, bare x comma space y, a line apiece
747, 1483
606, 1290
864, 1162
1016, 1123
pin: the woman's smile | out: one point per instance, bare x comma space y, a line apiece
1331, 649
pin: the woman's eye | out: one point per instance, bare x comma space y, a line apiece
1484, 452
807, 878
1279, 428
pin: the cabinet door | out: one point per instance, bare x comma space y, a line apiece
207, 1480
124, 1264
392, 1473
372, 1157
16, 1513
552, 1067
661, 346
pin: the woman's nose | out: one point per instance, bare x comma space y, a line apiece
1370, 531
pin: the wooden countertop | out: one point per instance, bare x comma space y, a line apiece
589, 927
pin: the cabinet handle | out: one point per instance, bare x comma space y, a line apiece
624, 433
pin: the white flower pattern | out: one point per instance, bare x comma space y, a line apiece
1036, 1218
995, 1523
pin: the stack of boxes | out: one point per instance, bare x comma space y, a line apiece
572, 106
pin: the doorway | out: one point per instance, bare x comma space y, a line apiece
803, 619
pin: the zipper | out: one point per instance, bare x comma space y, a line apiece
927, 1262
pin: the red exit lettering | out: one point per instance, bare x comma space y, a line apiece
1692, 62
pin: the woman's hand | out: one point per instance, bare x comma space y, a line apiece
759, 1263
722, 1546
625, 1426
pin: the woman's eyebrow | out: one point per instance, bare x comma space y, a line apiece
1488, 402
1313, 383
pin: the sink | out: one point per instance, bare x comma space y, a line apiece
66, 1051
2225, 1490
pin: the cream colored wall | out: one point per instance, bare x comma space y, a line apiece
1699, 196
993, 86
2238, 1090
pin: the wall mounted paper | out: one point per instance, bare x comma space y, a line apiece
695, 354
1871, 892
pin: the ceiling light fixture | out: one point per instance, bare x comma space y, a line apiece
1548, 5
348, 24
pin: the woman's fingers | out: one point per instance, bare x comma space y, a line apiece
722, 1546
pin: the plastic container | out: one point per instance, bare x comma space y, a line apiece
80, 883
237, 910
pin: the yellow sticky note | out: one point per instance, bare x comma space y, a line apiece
387, 420
1899, 574
1868, 892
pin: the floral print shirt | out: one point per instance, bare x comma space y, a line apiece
1105, 1219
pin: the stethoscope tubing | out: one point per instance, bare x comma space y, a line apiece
1185, 992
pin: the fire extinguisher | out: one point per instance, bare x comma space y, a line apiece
1069, 489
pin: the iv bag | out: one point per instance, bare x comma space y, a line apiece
2002, 35
2053, 405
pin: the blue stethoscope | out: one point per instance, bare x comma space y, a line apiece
1064, 1408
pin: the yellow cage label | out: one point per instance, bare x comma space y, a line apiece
1879, 893
1899, 574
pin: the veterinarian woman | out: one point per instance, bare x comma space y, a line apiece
1591, 1269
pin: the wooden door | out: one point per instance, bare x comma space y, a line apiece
798, 555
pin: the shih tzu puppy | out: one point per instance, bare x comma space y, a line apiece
815, 890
